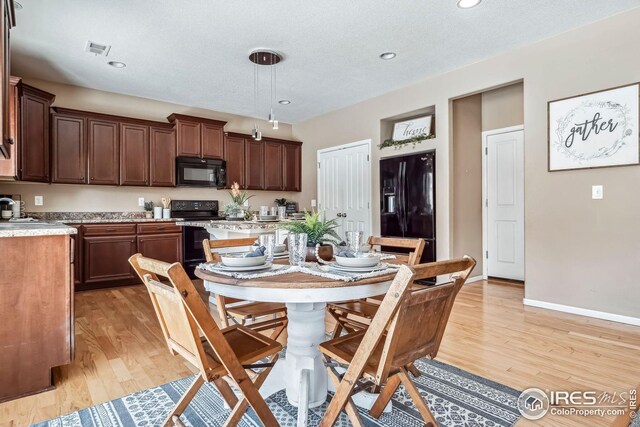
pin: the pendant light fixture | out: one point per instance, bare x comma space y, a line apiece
271, 59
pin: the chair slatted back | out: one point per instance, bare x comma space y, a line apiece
178, 326
211, 255
418, 325
417, 246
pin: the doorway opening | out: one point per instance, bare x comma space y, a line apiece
488, 181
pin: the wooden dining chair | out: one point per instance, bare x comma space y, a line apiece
408, 325
240, 310
344, 312
222, 356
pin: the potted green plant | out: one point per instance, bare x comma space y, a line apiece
148, 207
321, 234
239, 208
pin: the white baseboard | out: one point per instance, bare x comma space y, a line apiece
583, 312
474, 279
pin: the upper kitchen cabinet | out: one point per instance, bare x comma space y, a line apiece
134, 154
9, 166
273, 176
292, 166
34, 141
103, 151
6, 23
234, 149
198, 137
162, 141
254, 164
68, 148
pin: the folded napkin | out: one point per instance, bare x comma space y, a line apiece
259, 251
345, 251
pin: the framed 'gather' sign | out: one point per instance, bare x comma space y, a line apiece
595, 130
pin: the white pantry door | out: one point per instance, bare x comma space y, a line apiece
505, 204
344, 180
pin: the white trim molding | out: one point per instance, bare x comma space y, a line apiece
583, 312
474, 279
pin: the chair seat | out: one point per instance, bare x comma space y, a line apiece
343, 349
256, 309
357, 307
248, 346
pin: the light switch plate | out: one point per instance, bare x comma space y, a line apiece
597, 192
38, 200
313, 203
140, 201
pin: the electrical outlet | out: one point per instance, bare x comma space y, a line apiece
38, 200
597, 192
141, 201
313, 203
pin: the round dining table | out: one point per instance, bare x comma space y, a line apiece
302, 372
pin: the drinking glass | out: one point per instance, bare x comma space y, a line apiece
274, 211
297, 248
264, 210
269, 242
282, 212
354, 240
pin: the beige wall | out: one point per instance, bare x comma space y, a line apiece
78, 198
578, 251
503, 107
466, 180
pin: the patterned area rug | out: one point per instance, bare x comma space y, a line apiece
456, 398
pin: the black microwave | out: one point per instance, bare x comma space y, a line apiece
197, 172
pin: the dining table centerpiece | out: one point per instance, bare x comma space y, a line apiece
238, 209
321, 234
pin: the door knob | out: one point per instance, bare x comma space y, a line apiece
344, 215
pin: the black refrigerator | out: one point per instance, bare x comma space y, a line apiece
408, 199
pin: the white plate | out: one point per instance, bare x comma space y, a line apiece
223, 267
361, 261
238, 260
359, 269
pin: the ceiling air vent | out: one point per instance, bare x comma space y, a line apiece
97, 48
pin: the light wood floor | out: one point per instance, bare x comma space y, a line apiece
120, 350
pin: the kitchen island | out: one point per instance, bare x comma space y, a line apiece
223, 229
36, 305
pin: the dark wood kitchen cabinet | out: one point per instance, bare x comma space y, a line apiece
7, 21
234, 149
68, 149
198, 137
134, 154
162, 141
103, 151
163, 247
34, 134
254, 164
106, 260
9, 167
273, 175
292, 166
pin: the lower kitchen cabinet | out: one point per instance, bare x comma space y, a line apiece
103, 251
163, 247
106, 261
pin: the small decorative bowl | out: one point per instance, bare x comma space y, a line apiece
360, 261
239, 260
278, 249
268, 217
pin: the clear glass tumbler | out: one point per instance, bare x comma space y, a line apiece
355, 240
269, 242
297, 248
282, 212
264, 210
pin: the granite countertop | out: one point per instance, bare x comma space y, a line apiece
95, 217
114, 220
30, 229
232, 225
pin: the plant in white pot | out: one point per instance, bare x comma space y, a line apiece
321, 234
238, 208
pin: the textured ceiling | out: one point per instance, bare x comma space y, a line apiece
195, 52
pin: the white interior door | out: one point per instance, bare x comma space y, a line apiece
505, 204
344, 180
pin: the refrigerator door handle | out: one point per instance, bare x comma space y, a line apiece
403, 201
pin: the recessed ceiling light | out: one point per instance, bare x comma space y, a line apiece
17, 6
387, 55
468, 4
117, 64
284, 102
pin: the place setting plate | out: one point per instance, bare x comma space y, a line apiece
378, 267
222, 267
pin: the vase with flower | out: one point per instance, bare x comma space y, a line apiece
238, 209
